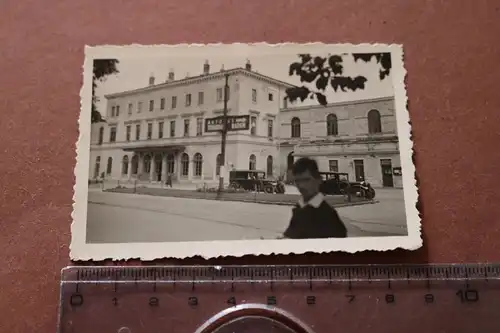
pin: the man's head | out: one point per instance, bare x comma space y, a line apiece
307, 178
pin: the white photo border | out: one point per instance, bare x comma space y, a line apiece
80, 250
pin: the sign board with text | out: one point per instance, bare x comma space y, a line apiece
234, 123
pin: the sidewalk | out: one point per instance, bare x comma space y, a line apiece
253, 197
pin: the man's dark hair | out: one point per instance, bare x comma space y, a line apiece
306, 164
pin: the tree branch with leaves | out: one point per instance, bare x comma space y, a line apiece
102, 69
328, 72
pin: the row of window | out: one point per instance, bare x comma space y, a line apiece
332, 126
197, 165
186, 132
115, 109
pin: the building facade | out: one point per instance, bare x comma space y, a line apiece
160, 128
358, 138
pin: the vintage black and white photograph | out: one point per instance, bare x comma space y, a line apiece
236, 149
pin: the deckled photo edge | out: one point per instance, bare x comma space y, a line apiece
80, 250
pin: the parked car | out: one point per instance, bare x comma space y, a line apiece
252, 180
337, 183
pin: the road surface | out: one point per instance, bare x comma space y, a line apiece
119, 218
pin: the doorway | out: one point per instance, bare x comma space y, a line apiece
289, 166
386, 167
359, 170
158, 167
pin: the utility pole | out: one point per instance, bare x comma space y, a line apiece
224, 135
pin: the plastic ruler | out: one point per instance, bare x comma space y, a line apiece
321, 299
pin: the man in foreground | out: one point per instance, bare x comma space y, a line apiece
312, 217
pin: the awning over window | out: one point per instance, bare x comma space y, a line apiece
170, 149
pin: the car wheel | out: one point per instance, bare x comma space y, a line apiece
269, 189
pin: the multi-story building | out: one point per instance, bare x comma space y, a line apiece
358, 138
160, 128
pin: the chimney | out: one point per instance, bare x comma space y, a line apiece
151, 80
222, 68
171, 75
187, 75
248, 65
206, 67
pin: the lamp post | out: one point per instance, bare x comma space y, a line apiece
224, 135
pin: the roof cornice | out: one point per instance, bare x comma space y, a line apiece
199, 79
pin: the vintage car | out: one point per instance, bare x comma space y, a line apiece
254, 180
337, 183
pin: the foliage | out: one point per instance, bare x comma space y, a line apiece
325, 72
102, 69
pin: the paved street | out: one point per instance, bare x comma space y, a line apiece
120, 218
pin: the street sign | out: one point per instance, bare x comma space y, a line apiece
234, 123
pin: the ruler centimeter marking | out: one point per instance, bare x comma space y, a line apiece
209, 290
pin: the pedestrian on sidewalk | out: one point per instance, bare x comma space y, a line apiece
312, 217
169, 180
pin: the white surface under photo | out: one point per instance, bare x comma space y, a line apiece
239, 149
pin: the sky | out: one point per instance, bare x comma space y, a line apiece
136, 67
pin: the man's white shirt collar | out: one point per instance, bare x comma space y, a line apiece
314, 201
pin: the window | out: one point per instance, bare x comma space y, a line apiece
197, 164
333, 165
113, 108
201, 97
185, 165
139, 107
130, 108
188, 99
271, 97
117, 110
97, 166
254, 95
150, 131
147, 163
374, 122
253, 125
218, 164
162, 103
101, 136
125, 165
129, 130
137, 132
359, 170
199, 126
220, 96
332, 127
285, 103
170, 163
112, 134
252, 162
151, 105
269, 166
135, 164
295, 127
160, 130
172, 128
174, 102
186, 127
270, 128
109, 166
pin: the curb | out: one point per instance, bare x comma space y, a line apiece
263, 202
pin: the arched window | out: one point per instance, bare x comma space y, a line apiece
109, 166
135, 164
295, 127
252, 162
374, 122
170, 163
218, 164
147, 163
125, 165
185, 165
101, 135
197, 164
97, 166
269, 164
332, 125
